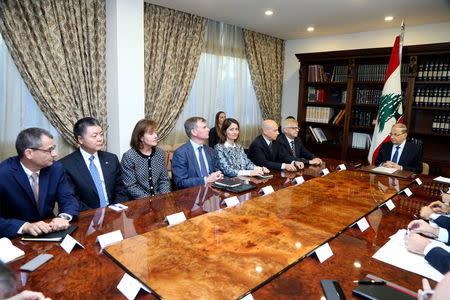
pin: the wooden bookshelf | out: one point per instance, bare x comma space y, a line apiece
418, 118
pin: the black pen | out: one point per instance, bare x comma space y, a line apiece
370, 282
416, 217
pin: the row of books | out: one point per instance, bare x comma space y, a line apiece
340, 74
322, 96
432, 96
441, 123
361, 140
367, 96
378, 72
363, 118
317, 134
326, 115
316, 73
434, 69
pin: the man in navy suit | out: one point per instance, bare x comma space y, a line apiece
30, 184
194, 163
264, 151
399, 153
95, 175
434, 254
291, 145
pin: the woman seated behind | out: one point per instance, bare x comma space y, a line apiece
143, 166
232, 159
214, 132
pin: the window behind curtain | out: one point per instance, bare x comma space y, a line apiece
18, 110
222, 83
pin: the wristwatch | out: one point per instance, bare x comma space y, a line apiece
64, 217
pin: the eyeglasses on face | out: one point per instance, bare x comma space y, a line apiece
396, 134
49, 150
295, 128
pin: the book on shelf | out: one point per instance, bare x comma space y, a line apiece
339, 117
317, 134
436, 69
9, 252
319, 114
312, 134
367, 96
361, 140
316, 73
316, 95
362, 117
441, 123
432, 96
339, 74
377, 72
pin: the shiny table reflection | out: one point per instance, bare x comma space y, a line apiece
228, 252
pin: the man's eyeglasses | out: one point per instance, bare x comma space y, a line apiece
396, 134
49, 150
295, 128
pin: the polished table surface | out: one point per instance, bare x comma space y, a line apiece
89, 273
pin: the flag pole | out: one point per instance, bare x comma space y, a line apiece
401, 41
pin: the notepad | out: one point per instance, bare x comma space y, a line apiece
9, 252
383, 291
56, 236
227, 183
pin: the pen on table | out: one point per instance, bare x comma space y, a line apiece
374, 282
408, 231
416, 217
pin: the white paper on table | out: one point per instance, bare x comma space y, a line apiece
407, 192
267, 190
109, 238
442, 179
299, 180
390, 204
384, 170
363, 224
248, 297
69, 243
395, 253
175, 219
130, 287
231, 201
419, 182
324, 252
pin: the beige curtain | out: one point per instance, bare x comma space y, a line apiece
58, 47
173, 43
265, 55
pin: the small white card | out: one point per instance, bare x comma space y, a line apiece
442, 179
69, 243
324, 252
341, 167
419, 182
407, 192
109, 238
267, 190
175, 219
363, 224
390, 205
248, 297
231, 201
298, 180
130, 287
118, 207
325, 172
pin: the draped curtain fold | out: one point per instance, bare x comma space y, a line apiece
59, 49
265, 55
173, 42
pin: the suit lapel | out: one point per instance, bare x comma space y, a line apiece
84, 171
192, 157
22, 180
208, 158
43, 188
401, 158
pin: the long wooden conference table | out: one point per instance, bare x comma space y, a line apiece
264, 246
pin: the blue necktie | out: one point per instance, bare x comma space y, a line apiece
202, 162
98, 182
395, 157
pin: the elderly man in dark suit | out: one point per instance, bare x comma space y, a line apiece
194, 163
95, 175
264, 151
399, 153
291, 145
30, 185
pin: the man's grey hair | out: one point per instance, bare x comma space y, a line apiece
288, 123
7, 281
402, 126
191, 123
30, 138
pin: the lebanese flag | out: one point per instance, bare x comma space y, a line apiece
390, 111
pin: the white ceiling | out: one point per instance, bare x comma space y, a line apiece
329, 17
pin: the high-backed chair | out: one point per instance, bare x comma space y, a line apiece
425, 168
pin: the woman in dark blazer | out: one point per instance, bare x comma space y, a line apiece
144, 168
214, 132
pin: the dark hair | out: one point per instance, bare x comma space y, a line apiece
223, 131
30, 138
7, 281
79, 129
216, 124
191, 123
142, 127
